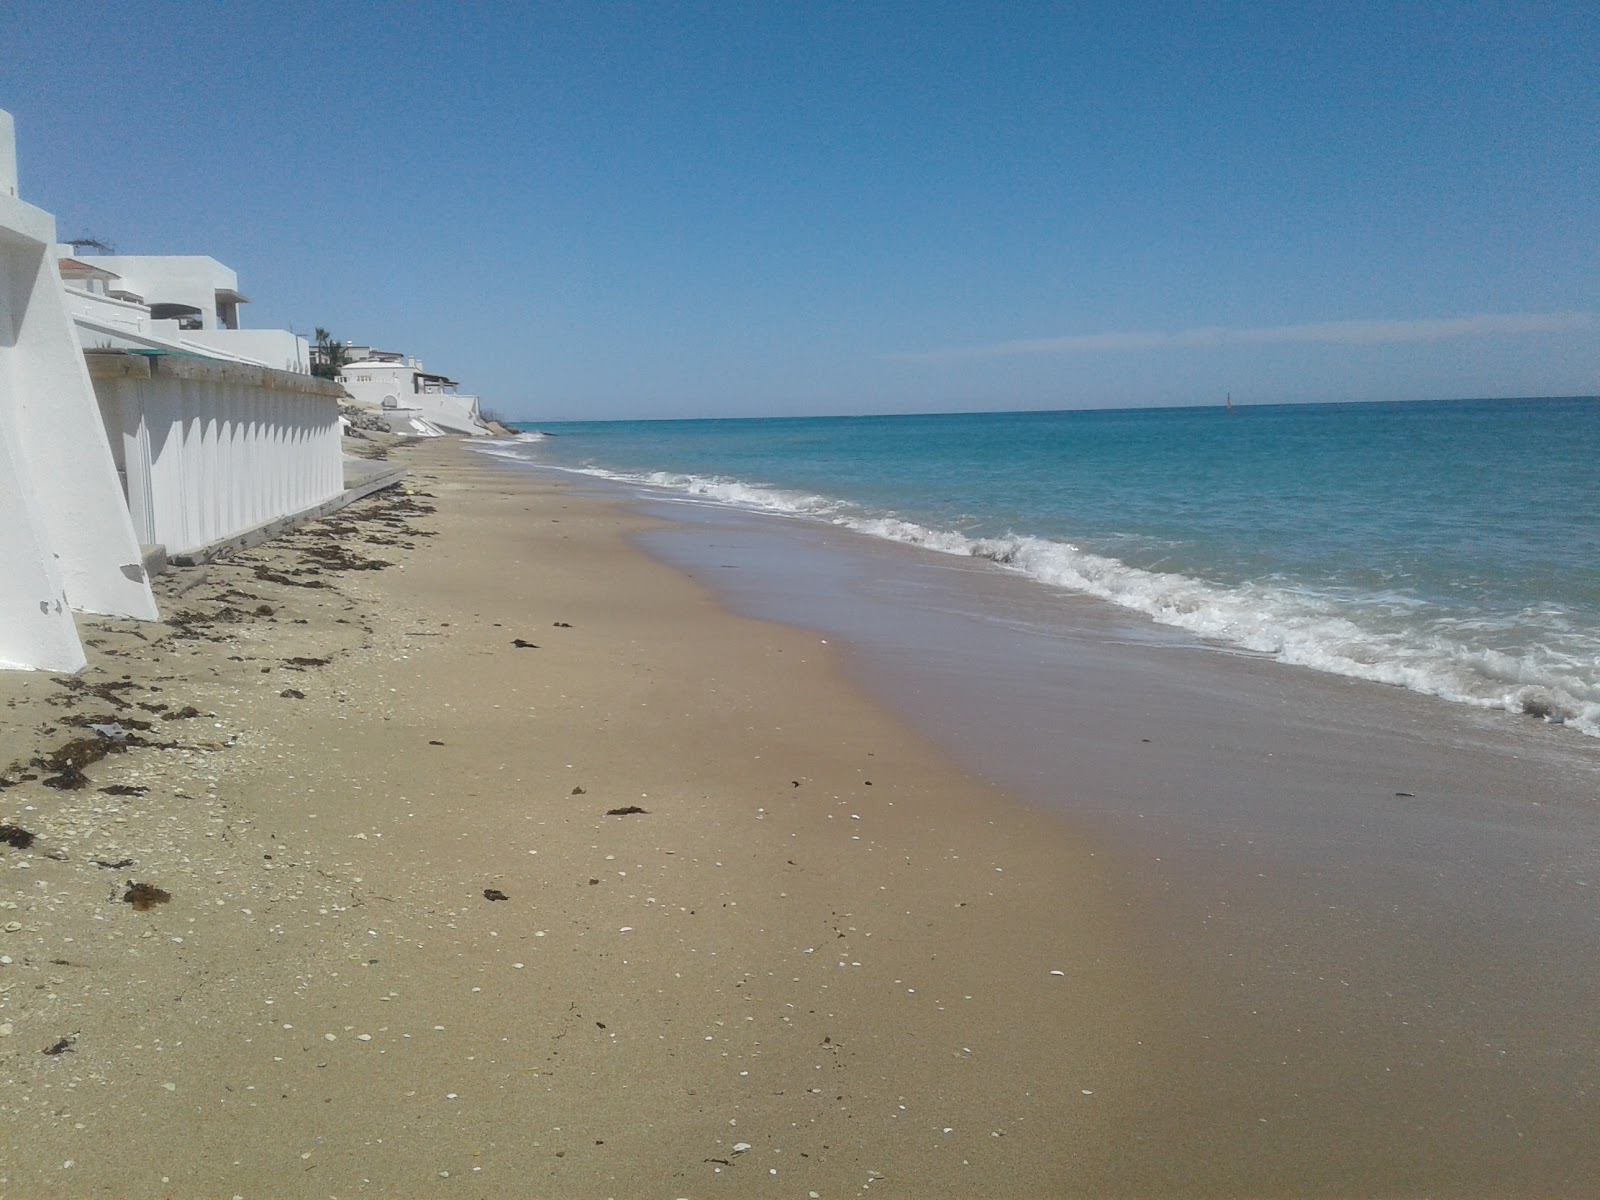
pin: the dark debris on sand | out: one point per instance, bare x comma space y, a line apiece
16, 836
144, 896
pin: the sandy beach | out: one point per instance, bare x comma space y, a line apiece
454, 846
755, 602
480, 839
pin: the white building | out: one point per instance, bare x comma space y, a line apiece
189, 302
194, 290
401, 388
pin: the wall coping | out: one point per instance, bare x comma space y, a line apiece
129, 364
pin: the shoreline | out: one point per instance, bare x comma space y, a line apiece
360, 759
330, 1002
1349, 892
1443, 630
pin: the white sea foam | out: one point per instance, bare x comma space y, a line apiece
506, 447
1507, 663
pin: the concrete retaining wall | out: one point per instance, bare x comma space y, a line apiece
208, 450
66, 542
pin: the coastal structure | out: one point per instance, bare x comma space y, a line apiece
139, 424
209, 449
66, 536
403, 391
215, 430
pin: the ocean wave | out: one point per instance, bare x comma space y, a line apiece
1489, 661
505, 447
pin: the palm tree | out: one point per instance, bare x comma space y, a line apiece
328, 360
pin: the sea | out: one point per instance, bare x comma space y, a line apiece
1447, 547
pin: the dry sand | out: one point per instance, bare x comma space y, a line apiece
820, 962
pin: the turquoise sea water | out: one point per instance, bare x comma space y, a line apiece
1449, 547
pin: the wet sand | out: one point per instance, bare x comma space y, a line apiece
408, 950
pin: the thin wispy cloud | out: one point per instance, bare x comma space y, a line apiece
1331, 333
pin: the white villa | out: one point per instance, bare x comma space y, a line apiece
402, 390
187, 303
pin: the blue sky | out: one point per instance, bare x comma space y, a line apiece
708, 209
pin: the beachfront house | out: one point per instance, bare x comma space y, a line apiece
188, 301
400, 388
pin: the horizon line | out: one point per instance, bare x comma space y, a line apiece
1355, 332
993, 412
